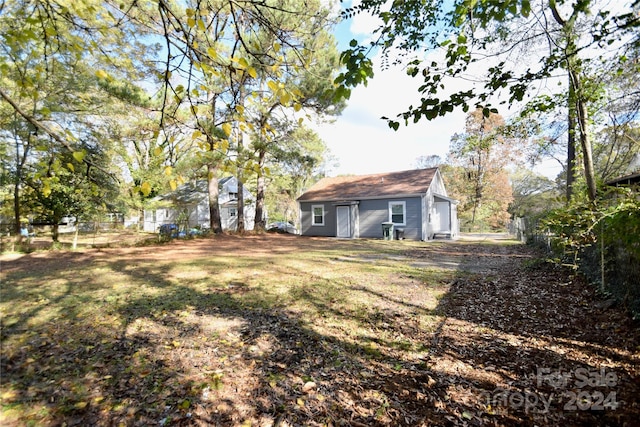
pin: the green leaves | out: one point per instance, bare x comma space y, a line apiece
359, 70
578, 228
468, 32
79, 155
101, 74
525, 8
46, 188
227, 129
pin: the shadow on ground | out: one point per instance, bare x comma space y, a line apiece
503, 342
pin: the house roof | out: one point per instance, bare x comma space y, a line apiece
193, 191
633, 178
383, 185
189, 192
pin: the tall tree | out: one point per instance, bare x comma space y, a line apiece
430, 161
533, 194
578, 94
519, 44
617, 151
48, 57
274, 123
237, 61
483, 153
297, 161
616, 148
147, 155
58, 183
614, 117
53, 34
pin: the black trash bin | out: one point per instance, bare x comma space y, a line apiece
399, 233
387, 231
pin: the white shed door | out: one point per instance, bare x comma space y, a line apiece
344, 225
442, 209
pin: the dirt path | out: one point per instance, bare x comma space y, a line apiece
517, 342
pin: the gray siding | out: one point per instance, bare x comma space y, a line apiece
413, 229
329, 227
374, 212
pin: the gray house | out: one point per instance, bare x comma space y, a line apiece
415, 201
189, 205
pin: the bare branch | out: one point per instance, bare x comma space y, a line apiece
39, 125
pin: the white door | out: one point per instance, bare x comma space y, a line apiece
344, 225
442, 208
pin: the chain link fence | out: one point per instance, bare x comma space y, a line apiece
39, 236
611, 262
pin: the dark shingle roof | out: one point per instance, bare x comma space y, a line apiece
193, 191
630, 179
391, 184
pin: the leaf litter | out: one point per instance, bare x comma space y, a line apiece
500, 340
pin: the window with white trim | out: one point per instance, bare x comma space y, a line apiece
398, 213
317, 215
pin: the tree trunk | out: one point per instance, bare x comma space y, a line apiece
214, 207
240, 210
473, 215
74, 245
240, 168
215, 223
16, 206
571, 140
575, 88
478, 188
240, 179
259, 219
20, 162
585, 141
55, 236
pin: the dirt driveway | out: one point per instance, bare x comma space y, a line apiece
515, 341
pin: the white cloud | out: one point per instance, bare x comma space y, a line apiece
363, 143
363, 23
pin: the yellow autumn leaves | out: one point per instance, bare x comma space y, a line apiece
214, 61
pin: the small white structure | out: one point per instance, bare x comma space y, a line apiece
188, 207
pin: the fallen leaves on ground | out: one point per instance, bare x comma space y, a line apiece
513, 341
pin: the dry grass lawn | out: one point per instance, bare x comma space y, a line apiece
277, 330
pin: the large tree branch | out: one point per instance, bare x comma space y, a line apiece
43, 127
556, 15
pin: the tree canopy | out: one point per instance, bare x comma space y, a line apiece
159, 87
491, 53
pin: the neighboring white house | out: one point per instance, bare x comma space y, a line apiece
188, 207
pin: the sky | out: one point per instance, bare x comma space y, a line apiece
362, 143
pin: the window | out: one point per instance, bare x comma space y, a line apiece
397, 212
317, 212
233, 195
232, 212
